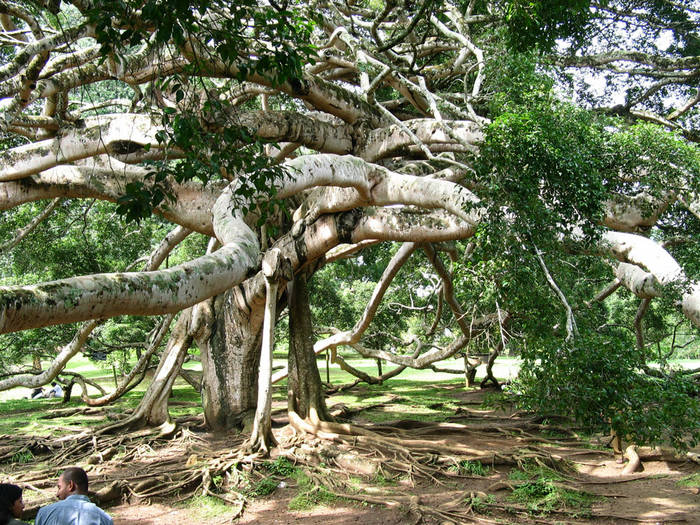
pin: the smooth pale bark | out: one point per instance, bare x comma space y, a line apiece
121, 135
433, 355
631, 214
390, 141
318, 93
172, 239
634, 250
378, 185
641, 283
171, 290
261, 438
39, 47
691, 304
644, 252
362, 376
571, 327
288, 126
134, 293
153, 408
57, 365
353, 336
106, 181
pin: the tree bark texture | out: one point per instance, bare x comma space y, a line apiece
153, 409
230, 360
305, 392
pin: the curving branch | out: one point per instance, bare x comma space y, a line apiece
173, 289
571, 328
23, 232
353, 336
127, 382
58, 364
638, 254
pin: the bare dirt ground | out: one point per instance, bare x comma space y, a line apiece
401, 486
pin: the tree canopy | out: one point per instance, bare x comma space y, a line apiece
548, 149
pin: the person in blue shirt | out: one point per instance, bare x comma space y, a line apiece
74, 507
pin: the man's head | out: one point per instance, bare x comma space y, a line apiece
53, 384
74, 480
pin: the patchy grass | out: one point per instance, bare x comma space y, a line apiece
25, 416
541, 492
275, 471
690, 481
264, 487
542, 496
405, 399
380, 480
205, 508
23, 457
280, 467
28, 416
481, 505
470, 468
310, 495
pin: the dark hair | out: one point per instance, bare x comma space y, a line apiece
53, 383
77, 476
8, 495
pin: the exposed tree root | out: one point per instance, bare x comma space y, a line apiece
176, 462
635, 464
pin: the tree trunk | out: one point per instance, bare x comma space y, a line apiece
230, 359
154, 405
153, 408
489, 368
305, 393
469, 372
261, 438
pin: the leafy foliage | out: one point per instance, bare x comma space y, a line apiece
598, 381
310, 494
280, 38
207, 155
544, 168
473, 468
246, 24
262, 488
541, 23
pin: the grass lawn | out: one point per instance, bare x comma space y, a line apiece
413, 391
415, 394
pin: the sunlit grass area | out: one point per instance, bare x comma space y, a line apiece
414, 394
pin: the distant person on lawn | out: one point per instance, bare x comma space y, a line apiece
37, 393
56, 390
11, 504
74, 507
